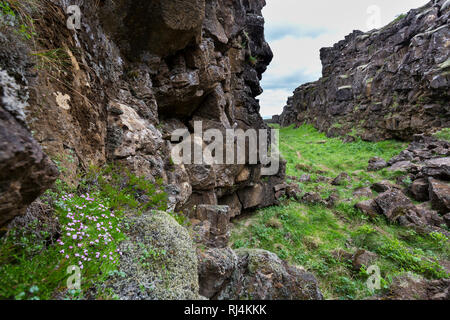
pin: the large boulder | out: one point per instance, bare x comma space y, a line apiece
376, 164
253, 274
369, 207
440, 195
25, 171
215, 268
170, 274
394, 204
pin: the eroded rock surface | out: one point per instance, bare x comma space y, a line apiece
25, 171
253, 274
134, 73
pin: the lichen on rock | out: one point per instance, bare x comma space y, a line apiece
159, 261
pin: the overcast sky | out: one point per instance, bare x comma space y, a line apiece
297, 29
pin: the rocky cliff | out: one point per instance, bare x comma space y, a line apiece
115, 89
386, 83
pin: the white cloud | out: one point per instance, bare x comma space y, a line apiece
309, 26
273, 99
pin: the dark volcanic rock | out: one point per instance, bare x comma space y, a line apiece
253, 274
447, 219
157, 26
376, 164
143, 70
387, 83
215, 268
383, 186
440, 195
313, 198
341, 179
363, 192
369, 207
363, 258
394, 204
419, 190
25, 171
438, 168
215, 224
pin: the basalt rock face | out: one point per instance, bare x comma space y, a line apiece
25, 171
133, 73
387, 83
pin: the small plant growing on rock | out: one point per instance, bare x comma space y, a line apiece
253, 60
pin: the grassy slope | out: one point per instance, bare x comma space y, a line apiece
307, 235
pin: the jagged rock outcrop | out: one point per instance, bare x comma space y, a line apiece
136, 71
114, 91
387, 83
25, 171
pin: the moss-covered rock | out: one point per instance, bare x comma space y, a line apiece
257, 275
158, 262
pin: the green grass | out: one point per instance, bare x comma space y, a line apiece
55, 59
308, 235
308, 151
444, 134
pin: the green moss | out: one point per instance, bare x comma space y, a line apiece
337, 125
161, 261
